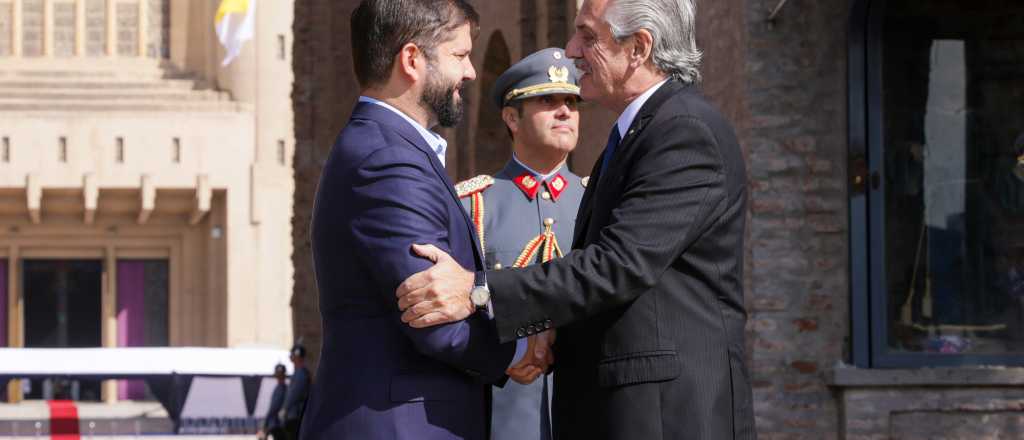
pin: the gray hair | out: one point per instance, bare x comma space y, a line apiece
672, 26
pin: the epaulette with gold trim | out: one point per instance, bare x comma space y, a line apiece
585, 181
472, 186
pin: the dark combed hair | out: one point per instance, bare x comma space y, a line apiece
381, 27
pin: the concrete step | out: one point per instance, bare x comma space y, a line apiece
149, 74
31, 68
118, 105
107, 94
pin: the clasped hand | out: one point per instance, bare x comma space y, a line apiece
440, 295
537, 360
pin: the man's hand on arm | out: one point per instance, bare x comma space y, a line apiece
438, 295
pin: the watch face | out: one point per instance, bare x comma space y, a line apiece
479, 296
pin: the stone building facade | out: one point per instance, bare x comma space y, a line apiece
145, 188
834, 352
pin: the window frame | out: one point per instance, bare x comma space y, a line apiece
869, 323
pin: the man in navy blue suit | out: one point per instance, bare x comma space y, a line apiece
383, 188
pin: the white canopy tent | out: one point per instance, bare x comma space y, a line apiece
149, 361
191, 383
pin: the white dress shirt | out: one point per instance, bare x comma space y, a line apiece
629, 114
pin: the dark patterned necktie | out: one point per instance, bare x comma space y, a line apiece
609, 150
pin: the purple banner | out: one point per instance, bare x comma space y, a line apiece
3, 303
131, 312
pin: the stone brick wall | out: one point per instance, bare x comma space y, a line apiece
797, 260
322, 97
930, 403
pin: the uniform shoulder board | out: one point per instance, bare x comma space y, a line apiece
469, 187
585, 181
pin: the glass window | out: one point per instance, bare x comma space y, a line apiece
952, 140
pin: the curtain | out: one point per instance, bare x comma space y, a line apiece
131, 313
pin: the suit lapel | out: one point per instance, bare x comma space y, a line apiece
583, 215
640, 122
412, 136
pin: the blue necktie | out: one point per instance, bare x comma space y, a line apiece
609, 150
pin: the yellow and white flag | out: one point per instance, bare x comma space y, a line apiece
235, 24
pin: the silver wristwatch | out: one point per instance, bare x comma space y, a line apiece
480, 296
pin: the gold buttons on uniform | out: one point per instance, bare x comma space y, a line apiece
549, 221
497, 266
546, 195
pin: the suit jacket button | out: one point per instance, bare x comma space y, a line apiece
520, 332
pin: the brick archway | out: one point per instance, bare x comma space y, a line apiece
492, 146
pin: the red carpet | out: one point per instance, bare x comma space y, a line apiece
63, 420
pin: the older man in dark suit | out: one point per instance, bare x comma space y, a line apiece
649, 304
383, 188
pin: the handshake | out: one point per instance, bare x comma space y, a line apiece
536, 361
440, 295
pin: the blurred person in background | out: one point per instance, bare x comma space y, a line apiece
273, 425
298, 392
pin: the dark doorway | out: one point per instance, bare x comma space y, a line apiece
63, 308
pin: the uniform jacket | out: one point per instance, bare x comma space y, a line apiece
298, 391
649, 304
382, 190
515, 212
272, 421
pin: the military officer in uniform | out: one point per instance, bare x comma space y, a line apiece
525, 213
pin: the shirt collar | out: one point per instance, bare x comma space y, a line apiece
539, 176
628, 115
437, 143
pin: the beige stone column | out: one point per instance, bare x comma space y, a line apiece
112, 28
47, 28
109, 310
15, 333
16, 28
80, 28
143, 27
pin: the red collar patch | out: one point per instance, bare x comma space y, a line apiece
528, 184
556, 185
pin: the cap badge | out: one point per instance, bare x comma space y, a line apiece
558, 74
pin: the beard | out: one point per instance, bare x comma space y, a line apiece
440, 99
